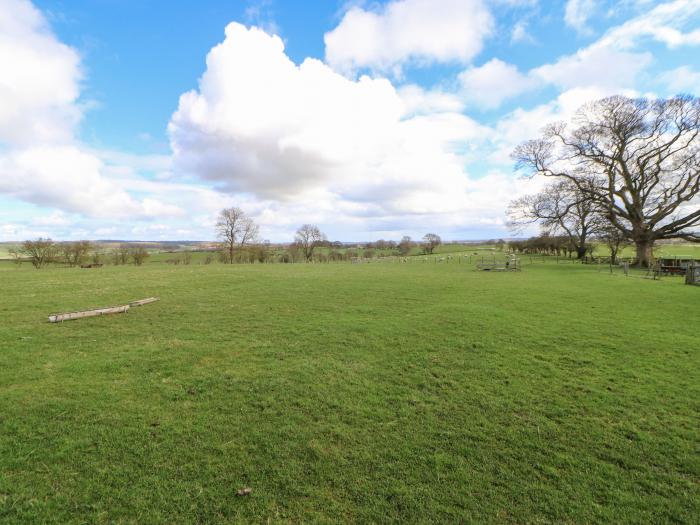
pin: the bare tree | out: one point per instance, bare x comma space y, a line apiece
405, 245
560, 209
121, 254
236, 231
40, 251
263, 252
138, 254
381, 244
294, 253
307, 238
643, 158
75, 253
16, 255
430, 242
614, 239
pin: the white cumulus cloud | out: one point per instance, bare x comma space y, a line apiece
39, 84
41, 160
70, 179
683, 79
492, 83
301, 143
595, 66
262, 125
421, 31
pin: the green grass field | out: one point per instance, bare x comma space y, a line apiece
661, 250
411, 393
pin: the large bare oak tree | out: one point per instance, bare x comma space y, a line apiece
642, 159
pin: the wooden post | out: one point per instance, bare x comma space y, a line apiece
56, 318
69, 316
141, 302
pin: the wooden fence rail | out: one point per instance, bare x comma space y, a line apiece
69, 316
57, 318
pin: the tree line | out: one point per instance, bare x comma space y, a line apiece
239, 240
41, 252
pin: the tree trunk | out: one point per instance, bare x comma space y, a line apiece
645, 252
580, 252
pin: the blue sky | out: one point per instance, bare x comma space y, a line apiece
140, 120
140, 56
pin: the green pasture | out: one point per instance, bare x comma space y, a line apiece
660, 250
368, 393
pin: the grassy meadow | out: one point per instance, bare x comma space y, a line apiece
660, 250
382, 392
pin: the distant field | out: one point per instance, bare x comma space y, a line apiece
692, 250
196, 256
670, 250
382, 392
5, 249
687, 250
